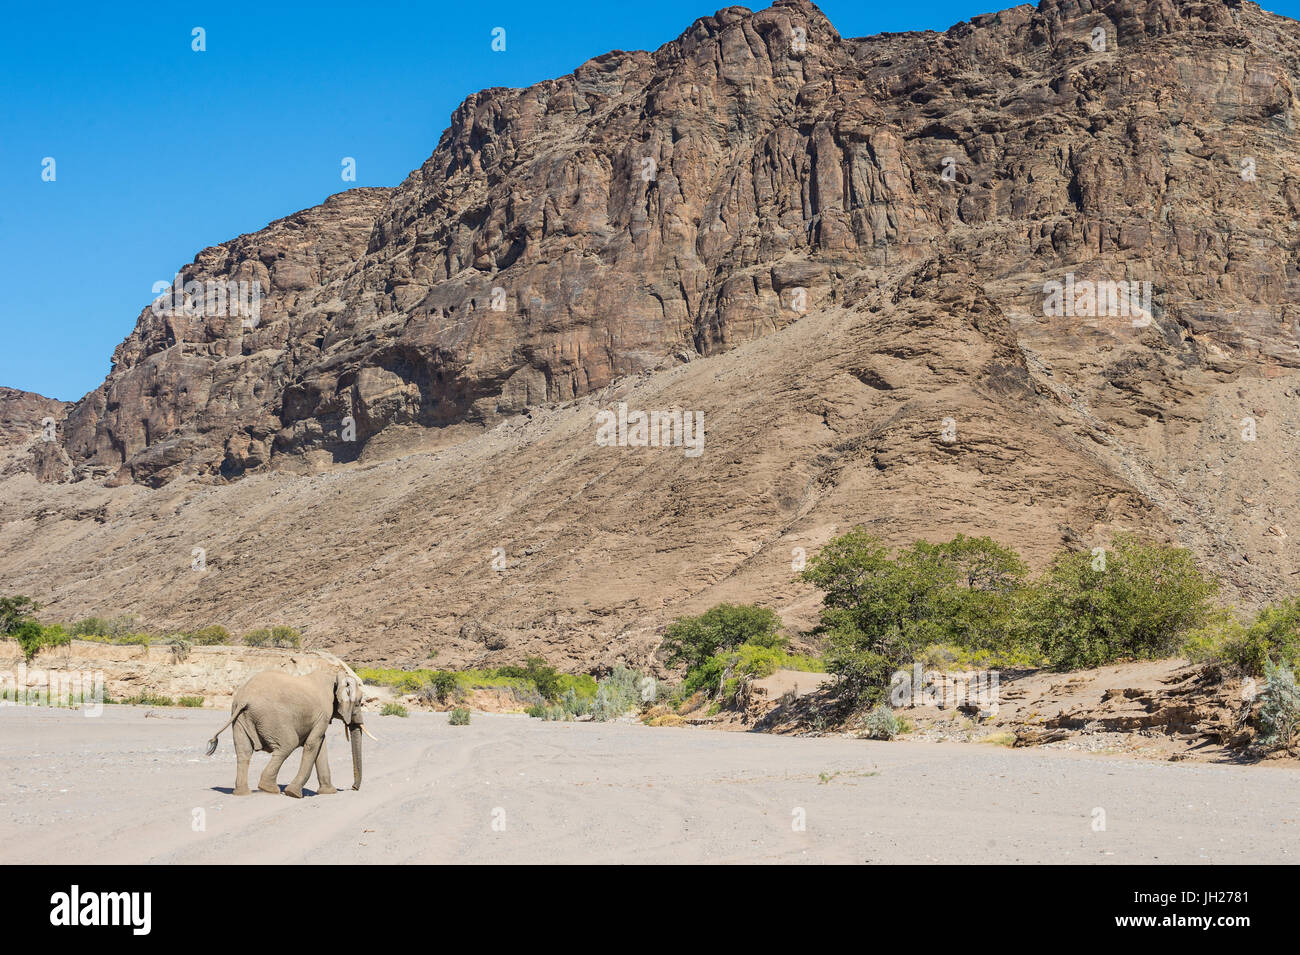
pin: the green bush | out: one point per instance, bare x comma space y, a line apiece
1279, 711
149, 699
579, 684
720, 674
544, 677
210, 636
1246, 649
693, 640
14, 610
32, 637
1143, 605
123, 640
569, 706
393, 709
110, 629
947, 657
447, 685
616, 694
444, 685
459, 717
190, 701
283, 637
286, 637
881, 723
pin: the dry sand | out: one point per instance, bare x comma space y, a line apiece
125, 788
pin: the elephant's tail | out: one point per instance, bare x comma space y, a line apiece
212, 743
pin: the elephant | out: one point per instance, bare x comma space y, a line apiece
277, 712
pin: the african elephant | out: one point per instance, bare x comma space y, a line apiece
278, 712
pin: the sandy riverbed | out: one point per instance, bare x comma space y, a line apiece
125, 787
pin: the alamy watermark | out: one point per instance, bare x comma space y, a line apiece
210, 299
653, 429
945, 690
75, 688
1097, 299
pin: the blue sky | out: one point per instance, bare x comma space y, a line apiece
161, 151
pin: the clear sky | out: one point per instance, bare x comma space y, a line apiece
161, 151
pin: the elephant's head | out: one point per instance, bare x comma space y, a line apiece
347, 707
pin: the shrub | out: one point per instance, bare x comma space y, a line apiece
32, 637
284, 637
692, 640
881, 723
210, 636
459, 717
393, 709
616, 694
570, 705
544, 677
580, 684
861, 675
190, 701
947, 657
1142, 605
720, 674
149, 699
444, 684
575, 704
14, 610
1274, 635
1279, 711
112, 629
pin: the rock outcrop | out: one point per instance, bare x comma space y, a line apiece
24, 415
686, 200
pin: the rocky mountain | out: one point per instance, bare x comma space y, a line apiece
22, 413
1034, 277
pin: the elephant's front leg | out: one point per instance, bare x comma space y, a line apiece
323, 784
310, 750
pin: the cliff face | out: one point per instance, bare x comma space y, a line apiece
1036, 276
23, 413
649, 204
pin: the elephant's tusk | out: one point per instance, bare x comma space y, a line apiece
368, 733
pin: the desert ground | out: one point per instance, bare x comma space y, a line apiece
133, 786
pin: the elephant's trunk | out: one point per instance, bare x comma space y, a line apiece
356, 755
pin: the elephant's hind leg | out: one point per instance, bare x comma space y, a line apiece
323, 784
278, 755
243, 753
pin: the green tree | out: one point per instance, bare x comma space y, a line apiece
14, 611
1137, 601
31, 636
880, 611
693, 640
544, 676
964, 592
